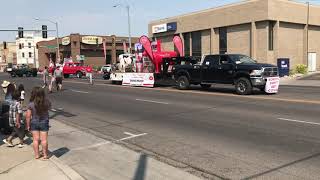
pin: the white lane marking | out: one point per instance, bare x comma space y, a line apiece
130, 134
130, 137
298, 121
109, 142
84, 92
145, 100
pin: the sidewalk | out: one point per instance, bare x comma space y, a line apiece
78, 155
19, 163
310, 80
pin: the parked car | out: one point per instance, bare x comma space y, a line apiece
21, 70
239, 70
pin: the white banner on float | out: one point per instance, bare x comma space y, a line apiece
138, 79
272, 85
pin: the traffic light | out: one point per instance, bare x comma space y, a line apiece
20, 32
4, 45
44, 31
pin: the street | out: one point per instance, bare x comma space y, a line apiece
212, 134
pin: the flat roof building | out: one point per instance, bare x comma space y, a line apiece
88, 48
263, 29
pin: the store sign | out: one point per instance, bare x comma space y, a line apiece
66, 41
164, 27
159, 28
172, 26
138, 79
272, 85
91, 40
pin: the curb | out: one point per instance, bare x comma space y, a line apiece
68, 171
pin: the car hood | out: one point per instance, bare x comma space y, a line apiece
255, 66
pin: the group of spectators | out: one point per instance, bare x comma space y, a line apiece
18, 121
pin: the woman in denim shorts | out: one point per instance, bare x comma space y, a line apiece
37, 117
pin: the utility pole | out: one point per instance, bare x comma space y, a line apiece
129, 28
57, 36
307, 33
129, 24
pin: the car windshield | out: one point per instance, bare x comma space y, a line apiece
241, 59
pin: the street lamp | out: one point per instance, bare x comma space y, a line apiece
129, 25
57, 35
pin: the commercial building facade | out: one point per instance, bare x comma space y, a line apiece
27, 53
266, 30
86, 48
7, 55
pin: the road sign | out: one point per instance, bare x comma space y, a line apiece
51, 46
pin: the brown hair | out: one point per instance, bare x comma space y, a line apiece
41, 103
10, 89
33, 93
16, 95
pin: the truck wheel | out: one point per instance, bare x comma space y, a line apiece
205, 86
243, 86
79, 75
183, 83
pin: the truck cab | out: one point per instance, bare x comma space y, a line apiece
239, 70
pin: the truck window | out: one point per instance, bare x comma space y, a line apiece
224, 60
211, 60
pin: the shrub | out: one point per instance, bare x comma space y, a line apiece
301, 68
292, 72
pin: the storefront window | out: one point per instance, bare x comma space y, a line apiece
186, 37
196, 44
223, 40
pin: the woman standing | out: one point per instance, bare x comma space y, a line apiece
37, 117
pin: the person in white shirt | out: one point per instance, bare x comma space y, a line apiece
22, 93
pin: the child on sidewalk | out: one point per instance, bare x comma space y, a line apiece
37, 118
16, 121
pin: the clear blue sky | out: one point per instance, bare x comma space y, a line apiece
95, 16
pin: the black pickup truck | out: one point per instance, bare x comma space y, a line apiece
239, 70
23, 69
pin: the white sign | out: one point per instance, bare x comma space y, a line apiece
65, 41
272, 85
138, 79
91, 40
159, 28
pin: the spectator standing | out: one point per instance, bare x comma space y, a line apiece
10, 90
16, 121
22, 93
37, 117
45, 77
89, 74
52, 80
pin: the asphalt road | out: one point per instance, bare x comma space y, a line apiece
215, 133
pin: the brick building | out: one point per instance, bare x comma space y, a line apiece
263, 29
88, 46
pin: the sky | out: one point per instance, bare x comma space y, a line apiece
96, 17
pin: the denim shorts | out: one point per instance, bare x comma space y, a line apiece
39, 126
